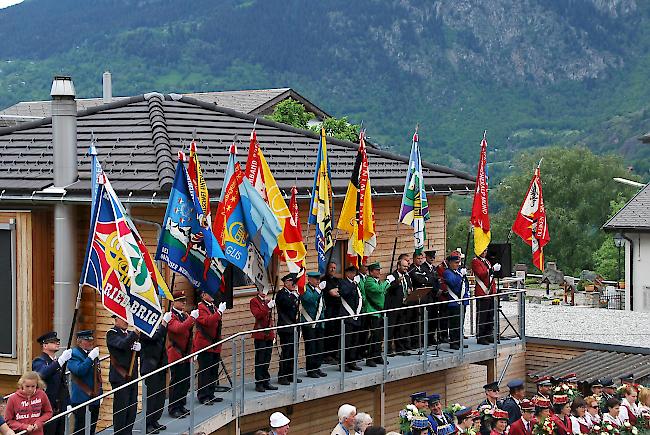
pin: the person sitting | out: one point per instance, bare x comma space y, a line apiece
562, 414
523, 425
593, 410
437, 417
464, 420
28, 408
579, 422
612, 416
629, 409
347, 413
499, 422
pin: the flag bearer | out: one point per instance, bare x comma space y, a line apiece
179, 345
312, 308
458, 288
330, 285
51, 369
375, 291
86, 380
287, 302
484, 273
261, 307
123, 346
207, 331
154, 356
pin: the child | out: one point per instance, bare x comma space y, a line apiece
28, 408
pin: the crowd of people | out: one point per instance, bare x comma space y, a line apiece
417, 279
558, 408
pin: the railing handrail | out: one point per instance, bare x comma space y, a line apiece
274, 328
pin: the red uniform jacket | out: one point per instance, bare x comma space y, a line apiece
179, 334
481, 269
562, 427
21, 411
518, 428
263, 319
207, 329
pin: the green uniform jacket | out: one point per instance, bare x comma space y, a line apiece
309, 300
375, 292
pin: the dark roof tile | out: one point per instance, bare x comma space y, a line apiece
634, 216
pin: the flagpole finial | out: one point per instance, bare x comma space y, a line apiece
540, 162
194, 134
417, 127
484, 134
255, 123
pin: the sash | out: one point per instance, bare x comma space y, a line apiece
349, 309
319, 310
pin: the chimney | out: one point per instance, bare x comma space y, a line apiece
64, 144
64, 131
107, 84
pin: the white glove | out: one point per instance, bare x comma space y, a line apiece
322, 285
167, 317
65, 356
496, 267
93, 354
357, 279
136, 346
195, 314
390, 279
222, 307
463, 271
68, 408
271, 304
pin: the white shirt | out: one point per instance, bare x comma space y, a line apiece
614, 420
623, 414
577, 421
592, 419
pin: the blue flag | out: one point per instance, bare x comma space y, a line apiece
187, 243
320, 207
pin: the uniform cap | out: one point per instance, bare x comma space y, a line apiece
278, 419
430, 253
607, 383
419, 396
500, 414
515, 383
527, 405
313, 275
569, 377
374, 266
434, 398
492, 386
420, 423
86, 334
560, 399
544, 380
597, 383
541, 402
289, 277
179, 295
476, 415
463, 413
48, 337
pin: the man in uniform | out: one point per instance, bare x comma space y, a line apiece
330, 287
312, 309
491, 399
351, 305
179, 345
287, 302
443, 296
512, 403
261, 307
421, 277
458, 288
596, 389
52, 371
398, 290
485, 285
465, 420
524, 424
86, 380
153, 355
123, 346
207, 331
544, 387
375, 294
434, 310
437, 417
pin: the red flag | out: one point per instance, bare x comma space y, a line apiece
480, 219
293, 234
530, 223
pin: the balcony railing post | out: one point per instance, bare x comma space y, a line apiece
472, 307
496, 322
67, 424
385, 352
243, 368
295, 363
234, 378
461, 326
192, 395
425, 339
522, 315
87, 422
144, 407
342, 355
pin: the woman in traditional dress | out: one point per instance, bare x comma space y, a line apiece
629, 409
579, 422
612, 416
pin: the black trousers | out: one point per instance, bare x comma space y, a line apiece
352, 342
263, 352
395, 330
411, 326
332, 335
376, 328
207, 376
285, 367
156, 393
56, 427
125, 408
455, 325
443, 322
485, 318
313, 338
80, 419
179, 385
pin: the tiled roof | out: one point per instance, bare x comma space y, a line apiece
138, 137
634, 216
255, 101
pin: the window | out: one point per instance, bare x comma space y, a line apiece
8, 288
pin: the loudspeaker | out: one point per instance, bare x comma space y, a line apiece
501, 253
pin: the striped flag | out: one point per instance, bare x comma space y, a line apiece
480, 217
320, 207
415, 207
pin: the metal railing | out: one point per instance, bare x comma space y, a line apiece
398, 331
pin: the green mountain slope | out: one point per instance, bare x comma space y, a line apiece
532, 72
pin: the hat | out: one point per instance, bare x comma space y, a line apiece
351, 269
527, 405
453, 258
419, 396
278, 419
515, 383
86, 334
560, 399
313, 275
569, 377
179, 295
420, 423
374, 266
607, 383
544, 380
627, 379
433, 398
48, 337
430, 253
597, 383
289, 277
476, 414
463, 413
492, 386
541, 402
500, 414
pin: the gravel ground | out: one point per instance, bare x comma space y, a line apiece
596, 325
